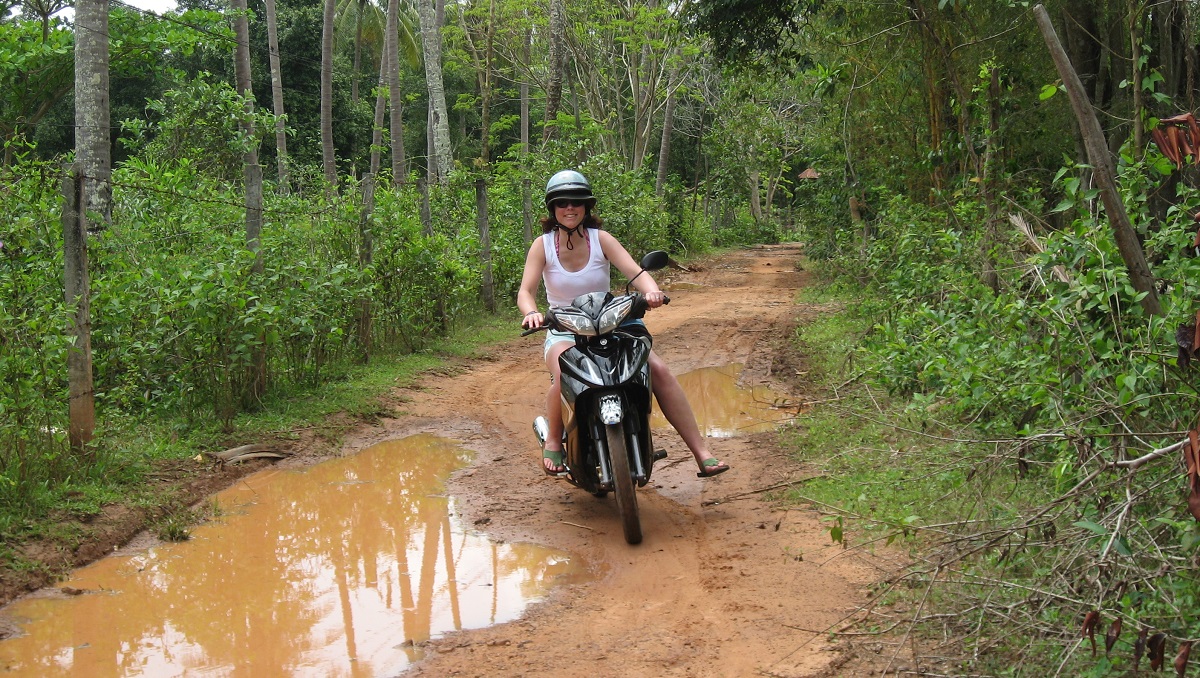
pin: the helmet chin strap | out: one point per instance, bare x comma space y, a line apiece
570, 232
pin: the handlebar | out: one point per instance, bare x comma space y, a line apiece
639, 300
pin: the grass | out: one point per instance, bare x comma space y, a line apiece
893, 477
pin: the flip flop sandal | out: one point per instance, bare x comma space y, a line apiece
712, 467
556, 459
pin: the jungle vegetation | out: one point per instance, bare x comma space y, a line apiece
279, 191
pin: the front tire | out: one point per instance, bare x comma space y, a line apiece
623, 484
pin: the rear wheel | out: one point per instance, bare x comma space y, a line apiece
618, 455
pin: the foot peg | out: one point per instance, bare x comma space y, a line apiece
658, 454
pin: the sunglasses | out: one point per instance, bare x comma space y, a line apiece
569, 202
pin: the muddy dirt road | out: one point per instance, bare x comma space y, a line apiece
725, 583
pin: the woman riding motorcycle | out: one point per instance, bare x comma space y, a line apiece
573, 257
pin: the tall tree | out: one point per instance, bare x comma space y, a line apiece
554, 84
440, 160
93, 154
395, 94
90, 189
277, 98
364, 23
475, 32
328, 159
257, 370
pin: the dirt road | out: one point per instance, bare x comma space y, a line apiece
725, 583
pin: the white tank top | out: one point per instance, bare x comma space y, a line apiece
562, 286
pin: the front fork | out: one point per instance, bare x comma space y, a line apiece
612, 410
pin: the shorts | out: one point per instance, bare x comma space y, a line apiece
555, 337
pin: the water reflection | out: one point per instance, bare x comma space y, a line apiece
722, 408
337, 570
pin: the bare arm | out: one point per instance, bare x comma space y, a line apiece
535, 263
620, 257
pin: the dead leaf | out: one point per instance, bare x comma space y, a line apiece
1181, 659
1110, 638
1089, 628
1139, 648
1156, 648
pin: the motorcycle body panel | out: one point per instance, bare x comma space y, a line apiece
614, 365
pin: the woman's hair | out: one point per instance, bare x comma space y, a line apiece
589, 221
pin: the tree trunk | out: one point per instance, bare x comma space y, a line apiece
328, 161
93, 152
526, 189
277, 99
557, 63
395, 95
664, 147
1123, 231
81, 401
1135, 48
441, 161
381, 97
356, 75
257, 378
365, 256
755, 196
485, 244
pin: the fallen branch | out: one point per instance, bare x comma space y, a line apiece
255, 451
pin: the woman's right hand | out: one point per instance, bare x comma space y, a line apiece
532, 320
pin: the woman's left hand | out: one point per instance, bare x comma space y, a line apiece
654, 299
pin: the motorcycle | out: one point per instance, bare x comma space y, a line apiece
606, 393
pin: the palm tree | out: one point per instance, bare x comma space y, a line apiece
440, 160
328, 161
277, 97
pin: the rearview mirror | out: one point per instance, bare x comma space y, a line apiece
655, 260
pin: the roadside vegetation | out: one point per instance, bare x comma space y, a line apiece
1021, 448
1019, 272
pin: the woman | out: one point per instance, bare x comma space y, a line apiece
572, 257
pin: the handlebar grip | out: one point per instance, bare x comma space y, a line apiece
666, 300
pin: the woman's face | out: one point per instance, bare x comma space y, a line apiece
569, 213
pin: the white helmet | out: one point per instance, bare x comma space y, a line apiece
569, 184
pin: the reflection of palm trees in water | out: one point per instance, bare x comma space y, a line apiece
307, 577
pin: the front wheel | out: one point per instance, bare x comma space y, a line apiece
618, 456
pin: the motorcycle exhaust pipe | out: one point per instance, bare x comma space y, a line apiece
541, 428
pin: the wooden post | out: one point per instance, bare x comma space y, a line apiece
80, 390
485, 244
1102, 168
366, 253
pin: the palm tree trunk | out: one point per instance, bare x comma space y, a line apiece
441, 161
93, 155
277, 98
328, 161
396, 119
256, 384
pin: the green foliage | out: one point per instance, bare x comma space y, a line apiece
1056, 375
200, 123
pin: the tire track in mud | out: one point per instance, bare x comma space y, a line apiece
725, 589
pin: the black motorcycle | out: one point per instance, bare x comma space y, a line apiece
606, 395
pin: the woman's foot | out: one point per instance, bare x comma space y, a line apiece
711, 467
552, 462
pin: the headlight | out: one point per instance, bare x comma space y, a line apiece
575, 322
613, 314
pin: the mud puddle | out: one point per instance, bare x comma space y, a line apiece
343, 568
723, 407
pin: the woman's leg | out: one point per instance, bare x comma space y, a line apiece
675, 407
554, 407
